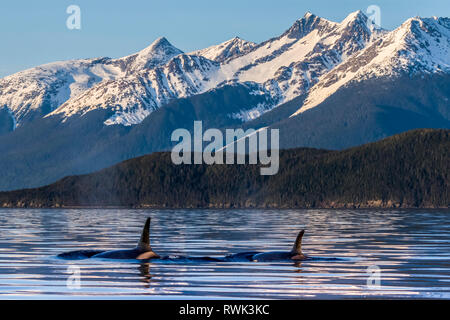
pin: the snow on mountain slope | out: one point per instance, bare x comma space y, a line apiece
293, 62
42, 89
420, 45
284, 67
133, 97
157, 54
226, 50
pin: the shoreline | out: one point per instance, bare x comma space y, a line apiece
146, 207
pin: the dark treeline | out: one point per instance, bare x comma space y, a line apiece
406, 170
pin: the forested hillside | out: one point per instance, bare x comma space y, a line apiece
406, 170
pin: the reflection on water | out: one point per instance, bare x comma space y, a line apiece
411, 248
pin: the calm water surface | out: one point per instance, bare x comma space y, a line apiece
410, 248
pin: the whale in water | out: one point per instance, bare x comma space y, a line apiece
295, 254
143, 250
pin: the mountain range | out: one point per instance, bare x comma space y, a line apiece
323, 84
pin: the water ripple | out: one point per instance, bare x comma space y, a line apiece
411, 248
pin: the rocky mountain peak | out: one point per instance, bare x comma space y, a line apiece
226, 50
158, 53
305, 25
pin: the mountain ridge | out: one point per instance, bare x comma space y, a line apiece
284, 66
38, 91
405, 50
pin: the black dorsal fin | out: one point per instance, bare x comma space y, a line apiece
297, 249
144, 242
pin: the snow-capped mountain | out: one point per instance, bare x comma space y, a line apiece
38, 91
314, 57
42, 89
283, 67
290, 64
157, 54
226, 50
134, 97
420, 45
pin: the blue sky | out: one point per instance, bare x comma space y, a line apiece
35, 32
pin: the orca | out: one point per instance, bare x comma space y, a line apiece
295, 254
143, 250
